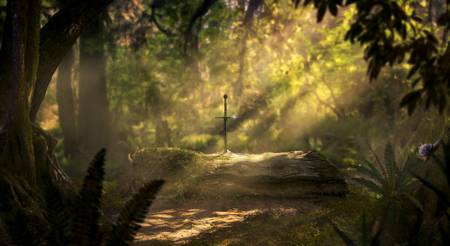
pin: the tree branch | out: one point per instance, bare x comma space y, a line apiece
57, 37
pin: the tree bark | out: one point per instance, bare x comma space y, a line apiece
18, 74
57, 37
93, 117
29, 57
162, 132
66, 106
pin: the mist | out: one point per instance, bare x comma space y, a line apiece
225, 122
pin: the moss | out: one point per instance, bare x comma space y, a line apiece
181, 168
163, 161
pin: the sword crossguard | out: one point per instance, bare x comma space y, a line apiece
225, 118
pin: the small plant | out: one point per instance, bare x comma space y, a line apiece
394, 186
398, 225
86, 220
392, 182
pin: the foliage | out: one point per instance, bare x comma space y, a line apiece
133, 214
78, 222
387, 178
442, 192
427, 221
366, 238
392, 32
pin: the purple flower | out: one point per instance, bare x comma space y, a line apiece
425, 150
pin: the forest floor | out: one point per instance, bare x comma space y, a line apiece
245, 221
241, 218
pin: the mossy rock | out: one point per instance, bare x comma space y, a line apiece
293, 174
161, 163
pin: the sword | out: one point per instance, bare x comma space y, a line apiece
225, 118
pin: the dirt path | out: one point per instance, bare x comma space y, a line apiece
181, 225
222, 193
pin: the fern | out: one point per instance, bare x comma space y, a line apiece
70, 223
133, 214
59, 215
87, 210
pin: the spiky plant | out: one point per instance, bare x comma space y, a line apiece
391, 181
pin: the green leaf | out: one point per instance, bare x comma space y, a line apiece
381, 174
411, 100
321, 11
370, 185
344, 237
364, 231
133, 214
413, 200
373, 173
390, 163
332, 7
87, 210
440, 194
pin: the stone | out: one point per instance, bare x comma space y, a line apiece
288, 174
295, 174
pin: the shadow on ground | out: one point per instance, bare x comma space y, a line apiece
200, 223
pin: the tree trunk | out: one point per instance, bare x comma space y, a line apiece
66, 106
93, 117
162, 132
18, 68
28, 58
57, 37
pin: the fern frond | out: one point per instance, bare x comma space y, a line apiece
59, 215
133, 214
87, 208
